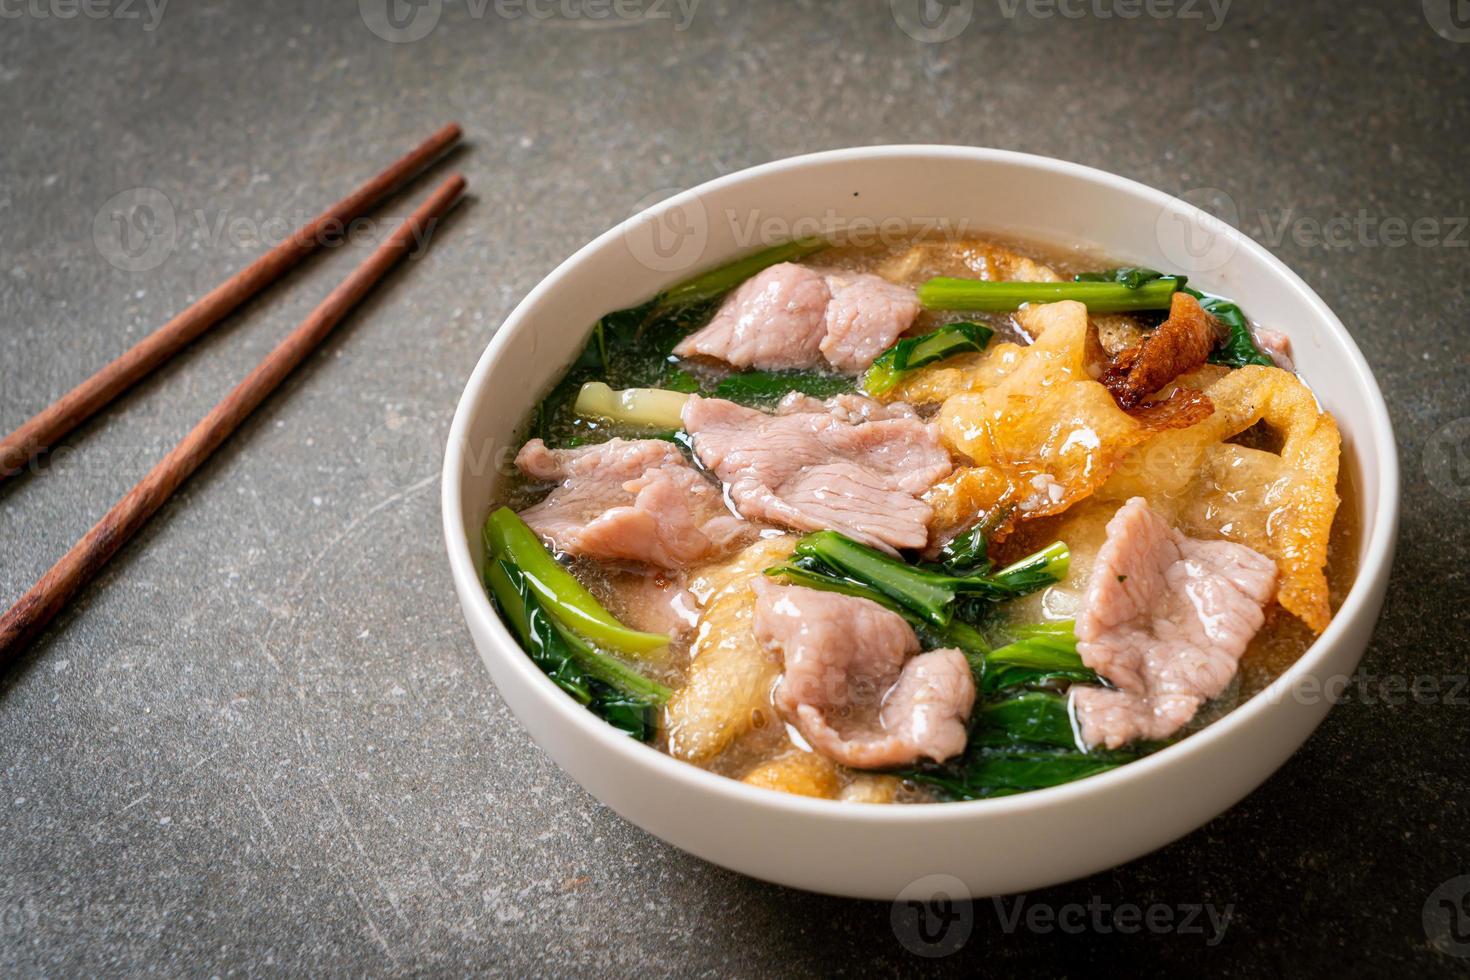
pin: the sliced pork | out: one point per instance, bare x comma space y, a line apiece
864, 318
638, 500
1165, 618
848, 408
813, 470
852, 684
775, 321
654, 601
1275, 345
929, 706
791, 317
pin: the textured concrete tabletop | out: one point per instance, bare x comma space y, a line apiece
262, 743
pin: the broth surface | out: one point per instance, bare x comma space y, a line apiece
638, 596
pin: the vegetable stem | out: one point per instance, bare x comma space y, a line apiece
718, 281
973, 295
532, 627
564, 597
656, 408
607, 687
1239, 347
1036, 570
610, 670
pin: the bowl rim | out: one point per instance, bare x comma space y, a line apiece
1378, 451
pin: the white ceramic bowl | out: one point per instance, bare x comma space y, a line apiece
986, 847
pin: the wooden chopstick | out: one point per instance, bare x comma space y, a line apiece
70, 410
91, 553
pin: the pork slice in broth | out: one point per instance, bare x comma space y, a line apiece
813, 471
791, 317
852, 684
866, 315
846, 407
654, 601
775, 321
1165, 618
634, 500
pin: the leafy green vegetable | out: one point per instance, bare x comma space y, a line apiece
628, 349
631, 715
679, 380
534, 596
987, 772
595, 680
814, 574
924, 593
1021, 738
958, 634
1239, 347
1031, 717
969, 553
529, 622
609, 669
509, 539
615, 328
1131, 276
974, 295
930, 596
1040, 655
638, 342
717, 282
916, 352
763, 389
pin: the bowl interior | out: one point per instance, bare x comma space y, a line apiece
961, 190
951, 189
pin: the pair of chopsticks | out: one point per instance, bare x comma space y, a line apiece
88, 556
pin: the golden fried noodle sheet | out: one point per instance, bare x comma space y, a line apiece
1180, 344
965, 259
1279, 503
1039, 429
730, 675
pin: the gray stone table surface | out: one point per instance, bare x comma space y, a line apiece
262, 742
